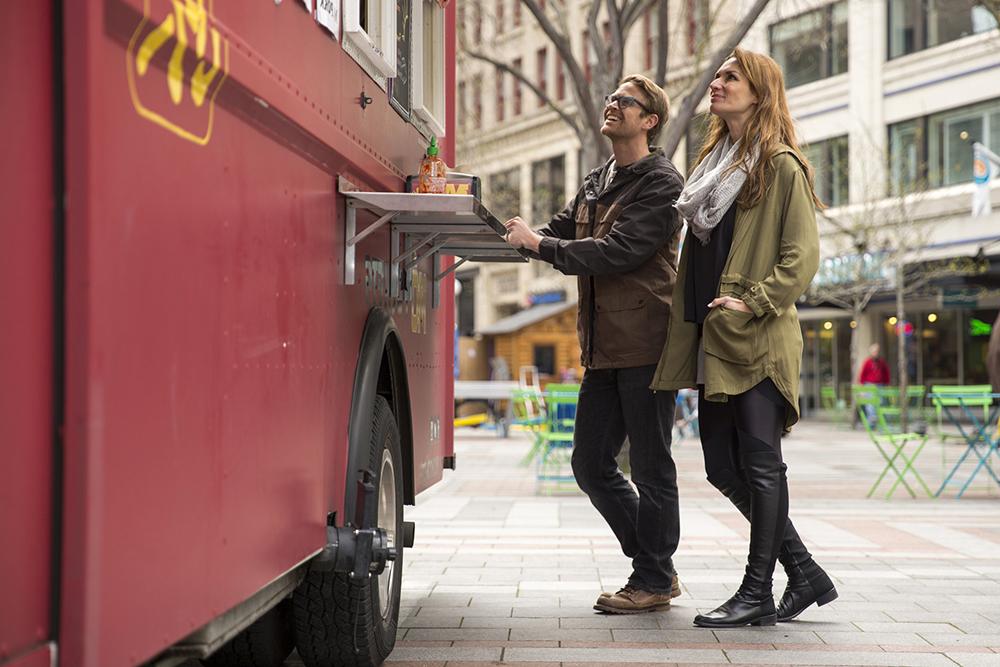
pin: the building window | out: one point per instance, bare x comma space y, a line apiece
588, 56
370, 35
560, 79
698, 20
517, 13
920, 24
813, 45
499, 16
650, 36
477, 101
829, 159
517, 88
545, 359
501, 102
541, 67
548, 188
428, 64
906, 155
950, 135
936, 150
505, 193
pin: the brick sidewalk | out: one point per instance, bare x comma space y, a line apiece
502, 575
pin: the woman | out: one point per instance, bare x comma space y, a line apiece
752, 250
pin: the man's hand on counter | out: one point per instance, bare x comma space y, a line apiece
519, 235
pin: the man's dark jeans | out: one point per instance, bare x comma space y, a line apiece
615, 403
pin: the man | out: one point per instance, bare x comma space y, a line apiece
620, 237
876, 372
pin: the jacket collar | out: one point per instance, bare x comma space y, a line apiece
655, 158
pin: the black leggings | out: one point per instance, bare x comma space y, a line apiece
741, 440
751, 421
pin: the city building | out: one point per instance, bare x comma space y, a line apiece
889, 96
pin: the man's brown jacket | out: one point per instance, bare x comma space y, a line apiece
621, 241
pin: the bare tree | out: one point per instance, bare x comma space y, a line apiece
606, 71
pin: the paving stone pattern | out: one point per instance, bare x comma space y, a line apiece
505, 572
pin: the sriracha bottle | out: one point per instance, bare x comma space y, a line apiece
433, 171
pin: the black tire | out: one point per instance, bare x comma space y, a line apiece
344, 623
266, 643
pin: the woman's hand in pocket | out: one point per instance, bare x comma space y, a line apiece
730, 303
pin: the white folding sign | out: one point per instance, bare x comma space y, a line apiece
328, 15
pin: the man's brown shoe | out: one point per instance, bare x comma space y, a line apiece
631, 600
675, 589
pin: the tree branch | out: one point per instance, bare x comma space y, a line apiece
598, 46
662, 41
677, 126
616, 51
633, 11
585, 102
520, 76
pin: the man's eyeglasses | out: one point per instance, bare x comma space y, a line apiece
624, 101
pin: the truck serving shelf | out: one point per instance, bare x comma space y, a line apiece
425, 225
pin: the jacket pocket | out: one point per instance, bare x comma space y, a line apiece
619, 303
620, 328
731, 335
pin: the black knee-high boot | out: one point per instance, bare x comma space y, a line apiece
753, 603
807, 582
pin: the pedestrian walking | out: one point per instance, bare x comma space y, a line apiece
620, 236
754, 248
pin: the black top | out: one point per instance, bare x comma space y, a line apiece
705, 264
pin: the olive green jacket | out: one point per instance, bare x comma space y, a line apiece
773, 258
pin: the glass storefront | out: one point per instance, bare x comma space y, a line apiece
976, 332
826, 363
944, 346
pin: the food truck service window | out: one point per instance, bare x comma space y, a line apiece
428, 64
370, 35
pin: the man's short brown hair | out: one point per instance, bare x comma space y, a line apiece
656, 100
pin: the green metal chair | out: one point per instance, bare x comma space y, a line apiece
891, 443
830, 402
554, 460
962, 396
528, 414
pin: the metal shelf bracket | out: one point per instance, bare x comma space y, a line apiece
422, 226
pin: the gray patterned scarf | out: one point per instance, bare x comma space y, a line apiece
710, 191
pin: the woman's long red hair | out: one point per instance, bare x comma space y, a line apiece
769, 126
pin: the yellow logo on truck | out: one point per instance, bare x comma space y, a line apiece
176, 66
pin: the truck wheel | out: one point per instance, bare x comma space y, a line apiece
348, 623
266, 643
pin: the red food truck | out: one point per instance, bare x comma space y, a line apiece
227, 337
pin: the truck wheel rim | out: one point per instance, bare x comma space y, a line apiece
387, 519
